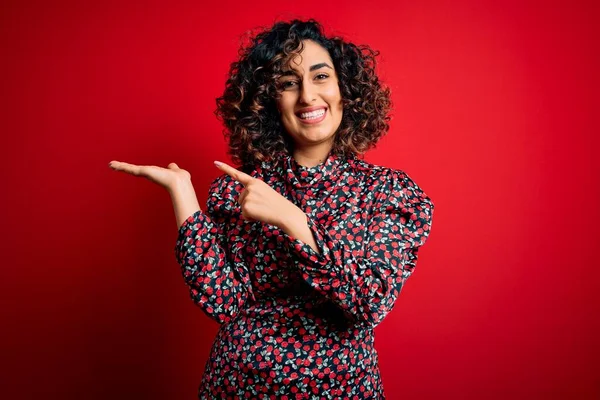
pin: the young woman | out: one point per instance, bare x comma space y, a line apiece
303, 249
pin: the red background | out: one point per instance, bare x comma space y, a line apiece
493, 118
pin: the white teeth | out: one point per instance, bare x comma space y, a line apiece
313, 114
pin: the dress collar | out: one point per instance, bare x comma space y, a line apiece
303, 177
300, 175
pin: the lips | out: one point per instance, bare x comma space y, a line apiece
314, 117
299, 113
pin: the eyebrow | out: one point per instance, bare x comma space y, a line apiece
321, 65
312, 68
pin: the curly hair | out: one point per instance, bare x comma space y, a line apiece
248, 106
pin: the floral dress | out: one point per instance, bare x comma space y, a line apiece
294, 323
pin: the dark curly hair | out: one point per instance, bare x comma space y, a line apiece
248, 106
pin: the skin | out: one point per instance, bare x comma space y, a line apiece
258, 201
309, 88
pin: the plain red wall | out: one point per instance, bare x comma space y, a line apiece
493, 117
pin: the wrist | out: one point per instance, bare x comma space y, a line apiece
295, 217
180, 186
184, 200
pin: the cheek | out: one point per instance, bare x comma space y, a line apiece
285, 106
333, 96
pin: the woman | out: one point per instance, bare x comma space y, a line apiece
302, 251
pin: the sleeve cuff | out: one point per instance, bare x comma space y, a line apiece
190, 223
196, 225
303, 251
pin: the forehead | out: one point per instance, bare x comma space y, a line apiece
312, 53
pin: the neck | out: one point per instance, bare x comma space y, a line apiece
310, 157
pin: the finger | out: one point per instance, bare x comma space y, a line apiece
173, 166
125, 167
239, 176
242, 196
247, 217
114, 164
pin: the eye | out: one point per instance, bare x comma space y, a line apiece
321, 76
287, 84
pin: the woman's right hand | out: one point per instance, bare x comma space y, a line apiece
168, 177
176, 180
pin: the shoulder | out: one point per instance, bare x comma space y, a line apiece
222, 184
392, 185
378, 175
223, 193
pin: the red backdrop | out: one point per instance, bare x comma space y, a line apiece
493, 119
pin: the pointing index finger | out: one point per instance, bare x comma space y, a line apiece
239, 176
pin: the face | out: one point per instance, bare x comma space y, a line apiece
311, 102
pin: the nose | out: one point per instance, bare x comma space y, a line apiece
307, 93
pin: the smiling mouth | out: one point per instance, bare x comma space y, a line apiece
312, 116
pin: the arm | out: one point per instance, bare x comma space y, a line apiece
296, 226
217, 284
184, 200
366, 286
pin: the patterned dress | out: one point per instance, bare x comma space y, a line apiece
294, 323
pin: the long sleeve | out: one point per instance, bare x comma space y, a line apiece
218, 282
366, 288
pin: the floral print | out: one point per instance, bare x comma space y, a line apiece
295, 323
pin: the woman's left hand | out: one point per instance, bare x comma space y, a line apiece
259, 201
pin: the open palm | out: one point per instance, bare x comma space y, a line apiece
165, 177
